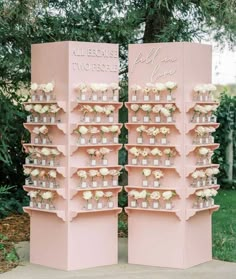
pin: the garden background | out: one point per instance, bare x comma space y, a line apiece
25, 22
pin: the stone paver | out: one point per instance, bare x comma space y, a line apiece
211, 270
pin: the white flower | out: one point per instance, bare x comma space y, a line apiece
87, 195
52, 174
165, 130
195, 175
210, 87
203, 151
47, 195
207, 193
45, 151
109, 109
134, 151
114, 128
28, 107
94, 87
170, 85
143, 194
167, 195
157, 108
200, 130
213, 192
114, 86
93, 173
43, 130
141, 129
34, 172
32, 194
80, 86
215, 171
114, 172
209, 172
27, 171
82, 174
147, 172
198, 88
145, 152
156, 151
55, 152
54, 109
134, 194
44, 109
146, 107
155, 195
160, 86
108, 195
34, 86
135, 87
201, 174
200, 194
98, 195
104, 171
37, 108
165, 112
91, 151
135, 107
158, 174
105, 129
48, 87
83, 130
94, 130
103, 87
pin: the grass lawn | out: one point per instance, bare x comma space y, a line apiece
224, 226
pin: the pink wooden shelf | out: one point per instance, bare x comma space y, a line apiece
60, 104
177, 169
61, 148
178, 191
74, 192
60, 126
73, 170
192, 148
61, 192
128, 104
74, 126
191, 126
191, 169
144, 145
191, 212
128, 126
75, 104
61, 170
177, 212
60, 213
116, 210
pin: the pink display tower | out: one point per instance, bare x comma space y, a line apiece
72, 169
171, 179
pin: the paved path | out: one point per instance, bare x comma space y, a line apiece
211, 270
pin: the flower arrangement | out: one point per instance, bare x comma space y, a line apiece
158, 174
203, 92
204, 177
146, 173
167, 197
203, 113
41, 110
45, 89
88, 195
170, 153
205, 198
204, 156
135, 89
204, 135
98, 195
41, 135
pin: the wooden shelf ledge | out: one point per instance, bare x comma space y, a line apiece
191, 212
60, 214
74, 191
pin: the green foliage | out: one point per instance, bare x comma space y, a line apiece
224, 226
226, 116
7, 250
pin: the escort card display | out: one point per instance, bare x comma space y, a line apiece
171, 178
72, 164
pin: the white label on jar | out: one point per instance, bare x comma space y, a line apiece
104, 98
200, 98
206, 98
104, 162
163, 141
44, 119
206, 203
114, 182
87, 119
41, 98
90, 206
167, 162
145, 183
169, 119
27, 161
111, 119
94, 140
48, 98
39, 205
152, 140
145, 119
134, 98
43, 162
35, 161
203, 119
35, 182
144, 161
169, 97
99, 205
204, 161
27, 182
28, 118
83, 184
36, 119
155, 205
200, 205
33, 98
197, 119
44, 183
200, 140
44, 141
139, 140
156, 183
51, 185
198, 183
146, 98
110, 204
204, 182
52, 119
31, 204
158, 119
214, 180
155, 162
51, 163
144, 204
93, 162
134, 119
94, 97
116, 140
82, 140
105, 183
168, 206
157, 98
209, 119
83, 97
133, 203
213, 118
47, 206
104, 140
94, 184
98, 119
134, 161
115, 98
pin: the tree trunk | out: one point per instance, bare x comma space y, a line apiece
230, 156
156, 19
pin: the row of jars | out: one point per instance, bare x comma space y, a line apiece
42, 119
41, 161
